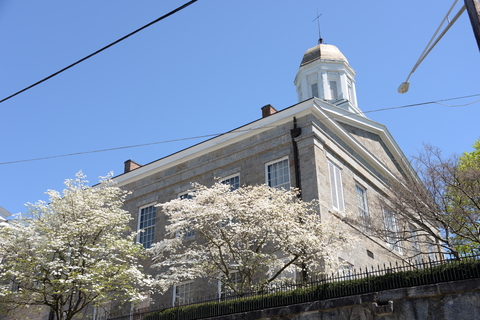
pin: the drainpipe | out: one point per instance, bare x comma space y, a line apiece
295, 132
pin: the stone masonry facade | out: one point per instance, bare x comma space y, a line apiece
248, 157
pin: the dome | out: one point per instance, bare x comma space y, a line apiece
323, 51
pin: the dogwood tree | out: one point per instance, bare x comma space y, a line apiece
74, 251
249, 236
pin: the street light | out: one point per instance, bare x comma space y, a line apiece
403, 88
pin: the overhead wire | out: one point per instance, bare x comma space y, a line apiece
241, 130
100, 50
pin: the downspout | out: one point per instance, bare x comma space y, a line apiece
295, 132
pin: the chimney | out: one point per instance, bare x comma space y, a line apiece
268, 110
130, 165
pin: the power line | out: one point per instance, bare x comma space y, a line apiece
235, 131
100, 50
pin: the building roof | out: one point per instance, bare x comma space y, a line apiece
323, 51
4, 214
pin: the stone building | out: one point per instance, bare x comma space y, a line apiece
323, 145
4, 214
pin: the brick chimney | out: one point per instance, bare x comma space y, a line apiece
130, 165
268, 110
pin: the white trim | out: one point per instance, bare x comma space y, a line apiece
327, 113
221, 180
364, 218
277, 161
152, 204
175, 291
336, 186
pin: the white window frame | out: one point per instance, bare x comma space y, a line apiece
346, 269
333, 85
189, 298
314, 90
190, 234
432, 255
416, 250
267, 180
141, 231
290, 276
233, 176
391, 227
362, 206
336, 186
221, 286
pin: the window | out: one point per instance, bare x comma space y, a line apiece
350, 91
346, 269
290, 275
186, 195
336, 186
314, 88
187, 232
363, 208
146, 226
333, 90
233, 181
391, 230
415, 245
182, 294
431, 252
224, 291
278, 174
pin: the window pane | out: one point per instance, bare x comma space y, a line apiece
333, 89
234, 182
314, 90
183, 294
278, 175
147, 226
362, 209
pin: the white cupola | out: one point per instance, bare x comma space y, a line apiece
325, 74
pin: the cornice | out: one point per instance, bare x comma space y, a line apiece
327, 113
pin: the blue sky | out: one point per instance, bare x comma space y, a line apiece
206, 70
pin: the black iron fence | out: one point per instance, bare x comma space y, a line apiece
345, 283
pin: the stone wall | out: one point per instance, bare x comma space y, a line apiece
443, 301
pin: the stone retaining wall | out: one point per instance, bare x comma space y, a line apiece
443, 301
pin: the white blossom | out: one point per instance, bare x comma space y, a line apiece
73, 251
256, 231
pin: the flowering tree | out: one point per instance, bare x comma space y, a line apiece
441, 210
74, 251
248, 236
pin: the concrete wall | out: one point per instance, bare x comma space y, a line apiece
444, 301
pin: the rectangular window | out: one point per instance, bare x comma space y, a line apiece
432, 256
336, 186
415, 245
391, 230
182, 294
234, 182
333, 90
287, 276
314, 88
146, 226
345, 270
187, 233
363, 209
224, 291
278, 174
